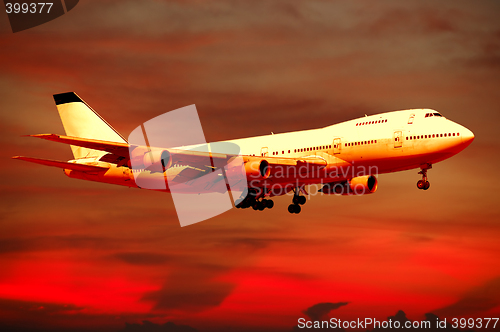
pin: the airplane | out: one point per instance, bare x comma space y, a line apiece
344, 158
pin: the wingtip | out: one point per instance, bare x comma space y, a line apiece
41, 135
66, 97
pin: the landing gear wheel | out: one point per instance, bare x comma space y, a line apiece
269, 203
299, 200
251, 201
294, 208
261, 205
424, 184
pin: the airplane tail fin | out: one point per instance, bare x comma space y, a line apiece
80, 120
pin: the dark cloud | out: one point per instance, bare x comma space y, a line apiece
147, 326
476, 301
400, 317
34, 316
37, 308
320, 310
190, 290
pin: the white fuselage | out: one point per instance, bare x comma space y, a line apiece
392, 141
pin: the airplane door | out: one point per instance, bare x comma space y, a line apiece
398, 139
264, 152
337, 145
411, 118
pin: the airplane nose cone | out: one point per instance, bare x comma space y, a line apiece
467, 136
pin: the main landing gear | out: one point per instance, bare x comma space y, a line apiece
251, 200
262, 204
424, 184
257, 201
297, 201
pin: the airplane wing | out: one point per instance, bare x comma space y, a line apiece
119, 149
122, 149
199, 162
63, 164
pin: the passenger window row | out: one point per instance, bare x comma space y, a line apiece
314, 148
432, 136
370, 122
373, 141
325, 147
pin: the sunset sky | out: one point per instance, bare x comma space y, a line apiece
84, 256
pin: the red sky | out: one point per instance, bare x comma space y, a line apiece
77, 254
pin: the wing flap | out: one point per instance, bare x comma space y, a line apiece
188, 174
63, 164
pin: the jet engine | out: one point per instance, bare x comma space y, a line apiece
360, 185
257, 169
153, 159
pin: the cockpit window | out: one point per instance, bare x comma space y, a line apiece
437, 114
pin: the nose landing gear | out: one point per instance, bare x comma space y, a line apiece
424, 184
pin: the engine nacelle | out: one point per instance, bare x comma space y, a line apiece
157, 160
154, 160
257, 169
360, 185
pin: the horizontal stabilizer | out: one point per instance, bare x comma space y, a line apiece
119, 149
63, 164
